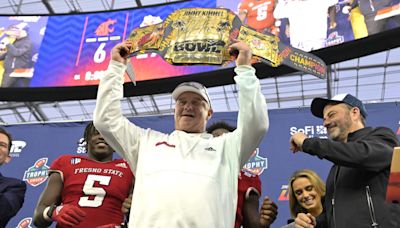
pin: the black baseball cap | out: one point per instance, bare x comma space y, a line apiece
318, 104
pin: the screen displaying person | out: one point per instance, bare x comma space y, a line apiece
16, 53
308, 21
259, 15
85, 191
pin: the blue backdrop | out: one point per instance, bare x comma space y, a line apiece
35, 146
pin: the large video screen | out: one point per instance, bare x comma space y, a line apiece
74, 50
314, 24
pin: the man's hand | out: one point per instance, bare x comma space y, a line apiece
126, 205
68, 215
268, 212
244, 56
120, 52
305, 221
296, 142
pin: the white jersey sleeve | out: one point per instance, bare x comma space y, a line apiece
253, 121
118, 131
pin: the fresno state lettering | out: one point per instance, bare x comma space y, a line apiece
97, 188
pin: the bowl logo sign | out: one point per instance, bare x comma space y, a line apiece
37, 174
256, 164
284, 196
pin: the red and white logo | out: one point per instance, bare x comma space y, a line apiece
25, 223
38, 173
105, 28
256, 164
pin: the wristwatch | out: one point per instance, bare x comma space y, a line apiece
51, 209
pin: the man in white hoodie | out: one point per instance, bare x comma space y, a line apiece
308, 21
187, 178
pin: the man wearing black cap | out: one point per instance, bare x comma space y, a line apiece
186, 178
356, 185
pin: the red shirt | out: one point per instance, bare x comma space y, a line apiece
259, 13
97, 188
246, 183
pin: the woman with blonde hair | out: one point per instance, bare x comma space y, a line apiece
306, 194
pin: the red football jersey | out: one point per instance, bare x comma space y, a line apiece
97, 188
246, 182
259, 13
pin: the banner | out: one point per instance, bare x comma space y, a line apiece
36, 146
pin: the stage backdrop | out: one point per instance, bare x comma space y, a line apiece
36, 146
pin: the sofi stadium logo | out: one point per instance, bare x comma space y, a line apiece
16, 148
81, 149
37, 174
284, 196
256, 164
25, 223
310, 130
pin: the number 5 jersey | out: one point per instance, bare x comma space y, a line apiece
98, 188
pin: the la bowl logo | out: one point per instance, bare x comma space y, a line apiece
284, 196
37, 174
256, 164
25, 223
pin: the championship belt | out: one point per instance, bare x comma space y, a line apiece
202, 36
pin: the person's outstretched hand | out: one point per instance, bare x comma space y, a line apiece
120, 52
244, 55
